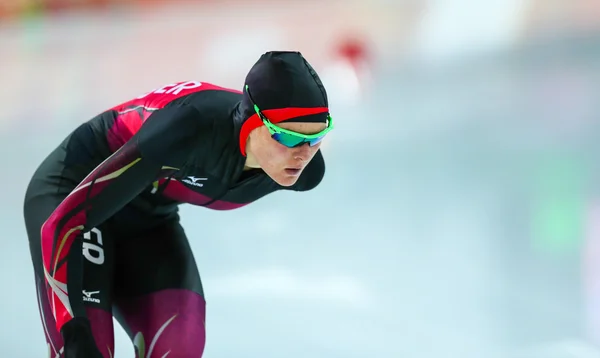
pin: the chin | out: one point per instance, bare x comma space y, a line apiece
287, 180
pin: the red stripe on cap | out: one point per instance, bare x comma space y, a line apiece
278, 115
250, 124
275, 116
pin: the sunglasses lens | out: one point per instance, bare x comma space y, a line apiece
291, 141
288, 140
316, 141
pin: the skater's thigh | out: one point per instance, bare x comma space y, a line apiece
158, 293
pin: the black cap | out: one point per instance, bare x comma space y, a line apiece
285, 87
285, 79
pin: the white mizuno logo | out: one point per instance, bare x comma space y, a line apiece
87, 296
191, 180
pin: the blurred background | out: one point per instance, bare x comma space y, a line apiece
460, 212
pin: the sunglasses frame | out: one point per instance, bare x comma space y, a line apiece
274, 129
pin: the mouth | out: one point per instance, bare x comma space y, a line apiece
293, 171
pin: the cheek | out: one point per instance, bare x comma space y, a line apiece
280, 155
282, 151
274, 154
313, 150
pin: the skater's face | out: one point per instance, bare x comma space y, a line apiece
283, 164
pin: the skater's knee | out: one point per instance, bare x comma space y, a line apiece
182, 335
174, 323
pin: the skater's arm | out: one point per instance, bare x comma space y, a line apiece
157, 150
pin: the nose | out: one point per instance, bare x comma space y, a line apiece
302, 152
